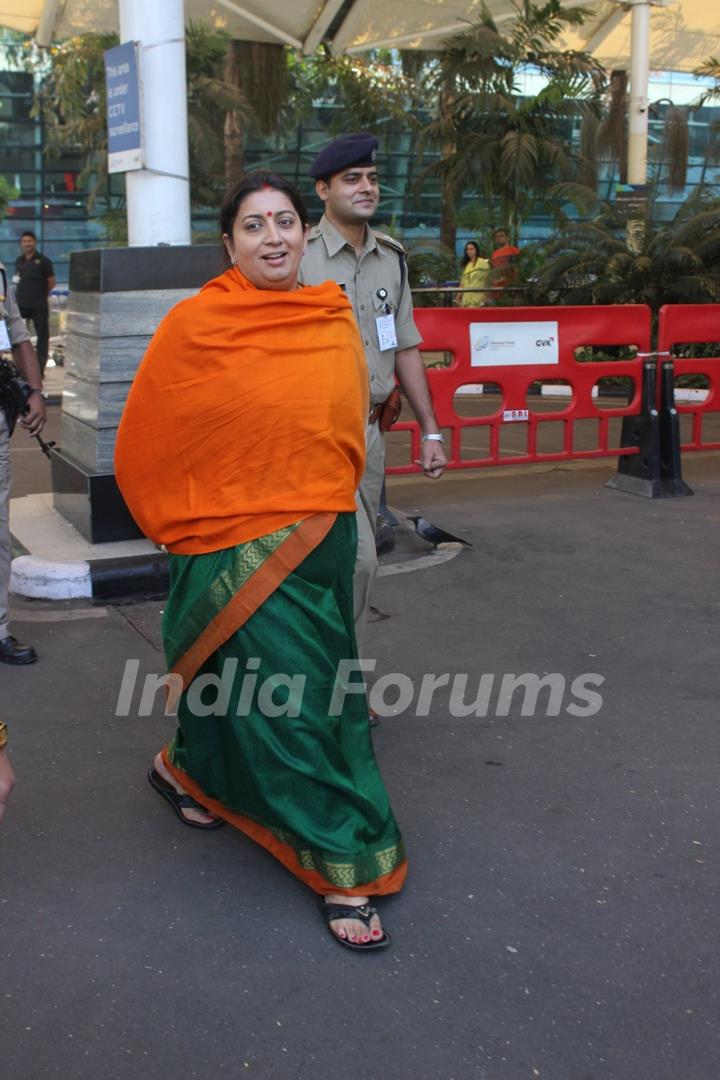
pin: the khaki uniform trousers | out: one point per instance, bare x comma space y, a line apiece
368, 503
5, 545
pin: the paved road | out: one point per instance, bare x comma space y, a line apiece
560, 920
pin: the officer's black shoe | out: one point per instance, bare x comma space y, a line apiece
12, 652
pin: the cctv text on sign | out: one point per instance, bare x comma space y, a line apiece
123, 109
509, 344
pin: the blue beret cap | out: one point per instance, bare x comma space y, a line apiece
342, 153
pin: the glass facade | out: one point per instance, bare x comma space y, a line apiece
52, 203
411, 201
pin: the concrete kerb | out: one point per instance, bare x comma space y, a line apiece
56, 563
135, 568
41, 579
95, 579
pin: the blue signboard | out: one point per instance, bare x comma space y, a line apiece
123, 109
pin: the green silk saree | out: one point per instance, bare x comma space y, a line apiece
257, 633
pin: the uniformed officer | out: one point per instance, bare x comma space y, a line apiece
371, 268
14, 336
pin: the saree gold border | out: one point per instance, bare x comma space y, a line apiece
345, 875
384, 885
251, 595
246, 559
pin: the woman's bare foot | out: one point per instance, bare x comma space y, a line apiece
198, 816
354, 929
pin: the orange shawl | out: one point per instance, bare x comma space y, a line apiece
247, 413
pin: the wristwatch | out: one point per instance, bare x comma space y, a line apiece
3, 735
38, 390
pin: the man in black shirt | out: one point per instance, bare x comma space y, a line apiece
34, 278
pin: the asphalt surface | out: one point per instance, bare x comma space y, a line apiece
560, 918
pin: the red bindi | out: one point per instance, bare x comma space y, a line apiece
269, 213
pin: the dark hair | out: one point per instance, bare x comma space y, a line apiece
503, 229
250, 183
28, 232
465, 256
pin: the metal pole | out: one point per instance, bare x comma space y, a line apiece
158, 196
639, 79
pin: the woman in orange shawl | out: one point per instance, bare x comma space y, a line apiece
240, 449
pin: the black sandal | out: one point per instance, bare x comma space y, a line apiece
180, 802
364, 914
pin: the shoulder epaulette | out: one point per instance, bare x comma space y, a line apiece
390, 241
314, 233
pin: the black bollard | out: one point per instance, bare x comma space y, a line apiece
670, 456
639, 474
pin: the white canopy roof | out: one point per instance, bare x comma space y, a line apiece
683, 33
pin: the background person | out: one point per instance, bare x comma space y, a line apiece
34, 280
240, 448
372, 270
502, 260
14, 333
475, 271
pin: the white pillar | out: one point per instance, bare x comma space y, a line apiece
639, 79
158, 196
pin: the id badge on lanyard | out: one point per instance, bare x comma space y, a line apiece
5, 345
385, 324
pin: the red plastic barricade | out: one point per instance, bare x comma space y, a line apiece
484, 351
685, 324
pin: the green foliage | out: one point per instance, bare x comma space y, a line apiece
114, 221
211, 97
430, 263
485, 59
72, 101
511, 149
367, 93
710, 69
591, 262
7, 194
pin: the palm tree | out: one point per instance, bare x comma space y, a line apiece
710, 69
509, 148
367, 93
260, 72
212, 98
73, 104
589, 262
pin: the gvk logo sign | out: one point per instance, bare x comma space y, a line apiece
508, 344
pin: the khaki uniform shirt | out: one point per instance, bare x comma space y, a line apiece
10, 312
330, 257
